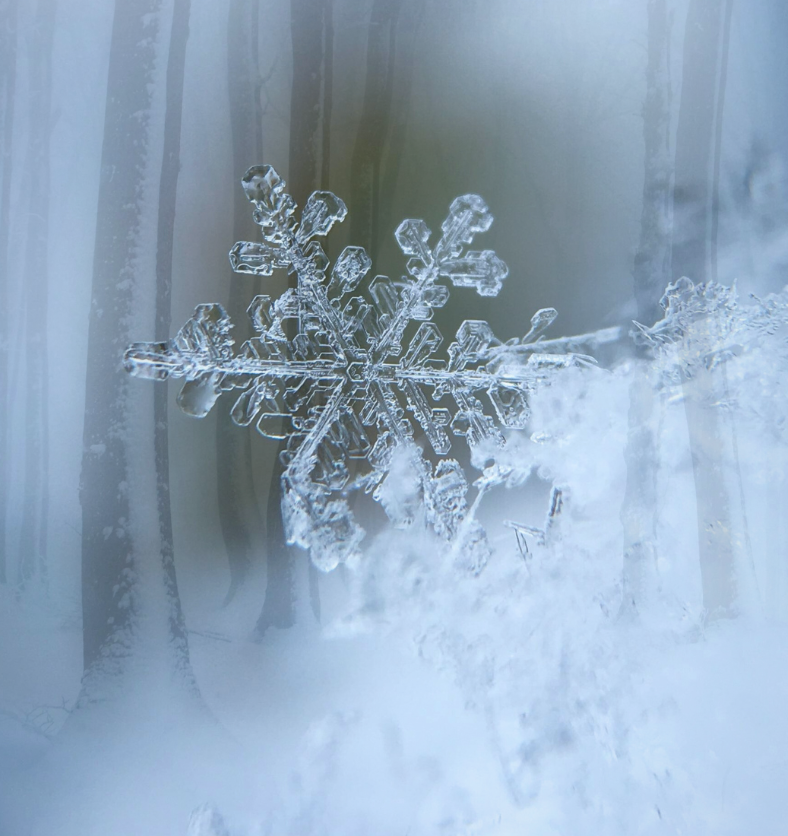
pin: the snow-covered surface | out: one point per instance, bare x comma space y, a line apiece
641, 733
434, 699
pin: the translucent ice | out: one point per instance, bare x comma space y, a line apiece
359, 379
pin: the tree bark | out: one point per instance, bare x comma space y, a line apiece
705, 42
130, 599
8, 50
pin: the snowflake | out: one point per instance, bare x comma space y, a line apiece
704, 325
338, 389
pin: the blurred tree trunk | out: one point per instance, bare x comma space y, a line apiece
374, 126
130, 597
238, 511
693, 253
8, 49
328, 94
651, 274
410, 19
393, 26
377, 152
165, 234
35, 507
652, 259
310, 102
307, 126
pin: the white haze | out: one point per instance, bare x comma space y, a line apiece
429, 700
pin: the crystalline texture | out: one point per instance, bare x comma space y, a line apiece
337, 390
483, 271
322, 211
351, 266
704, 325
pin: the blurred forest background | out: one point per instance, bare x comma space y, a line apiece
396, 106
126, 128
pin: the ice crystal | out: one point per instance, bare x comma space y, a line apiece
339, 388
705, 325
699, 328
541, 536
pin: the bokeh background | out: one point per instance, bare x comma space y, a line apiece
397, 106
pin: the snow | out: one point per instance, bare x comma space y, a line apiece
641, 734
433, 698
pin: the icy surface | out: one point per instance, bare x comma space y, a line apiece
350, 380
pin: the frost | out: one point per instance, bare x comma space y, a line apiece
350, 389
705, 325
